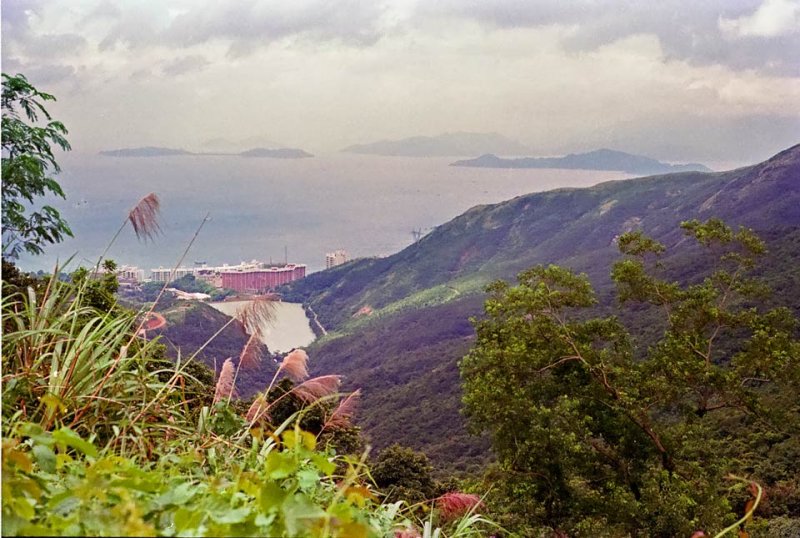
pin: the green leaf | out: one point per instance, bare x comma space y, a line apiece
72, 439
187, 519
271, 496
63, 503
177, 495
299, 511
23, 507
231, 516
45, 458
323, 464
308, 479
280, 464
264, 520
36, 433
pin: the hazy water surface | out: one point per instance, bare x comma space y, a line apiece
368, 205
288, 329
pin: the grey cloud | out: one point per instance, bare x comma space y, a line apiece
692, 34
249, 24
141, 74
52, 46
40, 75
185, 64
15, 24
104, 10
15, 12
136, 27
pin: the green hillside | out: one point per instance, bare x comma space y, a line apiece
574, 226
404, 353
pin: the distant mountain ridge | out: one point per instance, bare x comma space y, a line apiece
601, 159
225, 145
280, 153
154, 151
146, 151
443, 145
404, 354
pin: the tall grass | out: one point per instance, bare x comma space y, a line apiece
56, 352
99, 436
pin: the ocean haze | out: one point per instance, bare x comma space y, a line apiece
368, 205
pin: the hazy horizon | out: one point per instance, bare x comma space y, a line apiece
366, 204
677, 81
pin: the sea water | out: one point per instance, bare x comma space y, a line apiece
271, 209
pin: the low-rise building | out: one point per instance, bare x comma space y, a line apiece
262, 279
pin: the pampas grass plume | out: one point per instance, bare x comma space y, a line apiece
251, 352
224, 388
341, 416
295, 364
257, 409
144, 217
318, 387
455, 504
257, 314
255, 317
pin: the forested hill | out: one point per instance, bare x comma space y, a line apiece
400, 323
498, 240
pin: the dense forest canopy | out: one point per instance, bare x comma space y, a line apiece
600, 433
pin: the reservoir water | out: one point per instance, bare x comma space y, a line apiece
288, 329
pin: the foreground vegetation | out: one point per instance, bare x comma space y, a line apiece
103, 435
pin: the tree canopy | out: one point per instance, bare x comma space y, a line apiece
28, 165
600, 433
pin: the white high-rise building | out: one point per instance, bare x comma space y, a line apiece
130, 273
332, 259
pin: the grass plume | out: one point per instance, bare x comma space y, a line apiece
258, 409
224, 387
295, 365
144, 221
144, 217
257, 314
255, 317
315, 388
455, 504
343, 414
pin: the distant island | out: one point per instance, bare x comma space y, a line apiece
152, 151
601, 159
443, 145
147, 151
280, 153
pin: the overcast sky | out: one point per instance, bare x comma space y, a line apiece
716, 80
